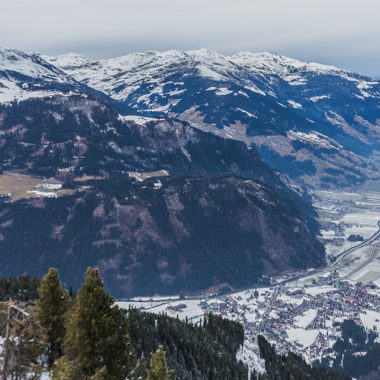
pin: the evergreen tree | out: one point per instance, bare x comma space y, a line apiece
21, 288
97, 344
71, 292
158, 368
51, 308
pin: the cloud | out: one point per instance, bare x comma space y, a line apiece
343, 32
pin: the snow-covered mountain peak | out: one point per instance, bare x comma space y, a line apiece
120, 76
163, 60
147, 60
273, 63
29, 75
68, 61
204, 54
31, 65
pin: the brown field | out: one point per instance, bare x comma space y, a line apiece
19, 186
86, 177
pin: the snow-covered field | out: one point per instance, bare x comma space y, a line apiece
302, 336
193, 311
305, 319
371, 320
350, 213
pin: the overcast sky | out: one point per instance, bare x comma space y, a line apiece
345, 33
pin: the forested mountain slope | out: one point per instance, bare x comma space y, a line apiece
188, 234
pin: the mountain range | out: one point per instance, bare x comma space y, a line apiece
172, 164
316, 123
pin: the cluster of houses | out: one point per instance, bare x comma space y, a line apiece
305, 320
177, 308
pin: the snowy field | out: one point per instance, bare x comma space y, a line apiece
305, 319
301, 336
193, 311
371, 320
349, 213
355, 213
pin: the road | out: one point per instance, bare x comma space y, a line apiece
339, 257
361, 266
275, 294
368, 241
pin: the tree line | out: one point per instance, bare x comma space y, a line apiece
85, 337
21, 288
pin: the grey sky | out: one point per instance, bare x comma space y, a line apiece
345, 33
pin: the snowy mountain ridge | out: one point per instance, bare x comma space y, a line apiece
24, 76
106, 75
265, 62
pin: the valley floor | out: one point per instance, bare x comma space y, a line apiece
300, 312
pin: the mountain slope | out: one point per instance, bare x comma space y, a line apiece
83, 135
188, 234
317, 123
160, 235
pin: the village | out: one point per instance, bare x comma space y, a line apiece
304, 319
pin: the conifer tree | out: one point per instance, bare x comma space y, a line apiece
158, 368
97, 344
51, 309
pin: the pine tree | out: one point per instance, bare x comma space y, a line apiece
97, 344
51, 308
71, 292
158, 368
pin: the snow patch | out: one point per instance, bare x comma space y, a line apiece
301, 336
294, 104
371, 320
141, 120
222, 91
318, 98
246, 112
38, 193
305, 319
